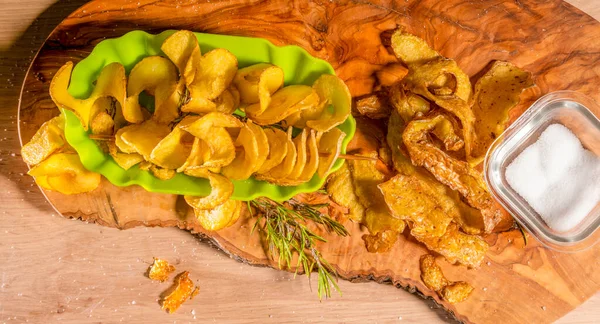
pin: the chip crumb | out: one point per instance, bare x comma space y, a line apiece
182, 290
432, 276
160, 270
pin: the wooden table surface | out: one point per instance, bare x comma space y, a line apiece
53, 269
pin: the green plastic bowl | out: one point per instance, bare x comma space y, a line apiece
299, 68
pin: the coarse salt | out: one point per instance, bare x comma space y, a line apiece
557, 177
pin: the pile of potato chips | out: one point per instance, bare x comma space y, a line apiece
438, 130
192, 128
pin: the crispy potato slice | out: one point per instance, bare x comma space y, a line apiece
256, 84
180, 292
156, 75
198, 155
411, 49
277, 141
110, 83
179, 47
335, 97
431, 273
262, 142
102, 124
63, 172
247, 155
228, 101
381, 242
301, 155
282, 170
418, 202
456, 292
213, 74
160, 270
456, 174
162, 173
374, 106
312, 163
455, 246
222, 189
172, 151
127, 160
142, 138
341, 189
221, 216
496, 93
48, 139
285, 102
330, 145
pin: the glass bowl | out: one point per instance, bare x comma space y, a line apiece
580, 114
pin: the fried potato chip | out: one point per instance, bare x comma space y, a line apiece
277, 142
341, 189
411, 49
156, 75
179, 47
456, 292
161, 173
173, 150
431, 273
210, 128
160, 270
142, 138
496, 93
301, 155
180, 292
102, 124
335, 97
417, 201
110, 83
329, 146
63, 172
247, 155
456, 174
198, 155
283, 169
381, 242
256, 84
262, 143
228, 101
455, 246
127, 160
378, 220
285, 102
312, 163
213, 74
222, 189
221, 216
374, 106
48, 139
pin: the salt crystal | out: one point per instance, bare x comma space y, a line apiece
557, 177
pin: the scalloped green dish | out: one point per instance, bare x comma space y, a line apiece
299, 68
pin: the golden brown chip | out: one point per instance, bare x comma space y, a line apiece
277, 141
456, 292
262, 144
172, 151
178, 48
256, 84
102, 124
161, 173
330, 146
335, 98
222, 189
180, 292
381, 242
160, 270
63, 172
341, 190
285, 102
282, 170
110, 83
213, 74
431, 273
301, 155
228, 101
496, 93
247, 155
48, 139
455, 246
142, 138
312, 163
411, 49
374, 106
456, 174
219, 217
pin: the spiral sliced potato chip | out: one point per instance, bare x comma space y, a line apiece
332, 91
256, 84
63, 172
219, 217
222, 189
172, 151
179, 47
285, 102
283, 169
312, 163
213, 74
301, 155
48, 139
110, 83
247, 157
142, 138
330, 145
277, 142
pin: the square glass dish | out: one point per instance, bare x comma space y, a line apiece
580, 114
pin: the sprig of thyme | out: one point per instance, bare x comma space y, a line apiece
286, 233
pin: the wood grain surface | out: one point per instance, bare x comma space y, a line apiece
58, 270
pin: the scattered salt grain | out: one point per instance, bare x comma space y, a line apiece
557, 177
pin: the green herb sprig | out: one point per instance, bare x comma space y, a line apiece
286, 233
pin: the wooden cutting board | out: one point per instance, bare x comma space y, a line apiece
552, 39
